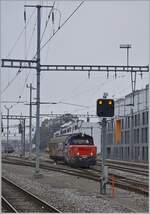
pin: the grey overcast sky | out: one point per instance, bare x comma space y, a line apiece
91, 36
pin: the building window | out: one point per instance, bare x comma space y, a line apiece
139, 119
138, 152
135, 120
143, 153
122, 123
146, 154
146, 115
108, 152
138, 140
127, 137
136, 135
128, 122
142, 137
128, 153
145, 135
122, 139
112, 125
145, 118
122, 153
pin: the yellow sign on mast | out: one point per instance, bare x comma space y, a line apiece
118, 131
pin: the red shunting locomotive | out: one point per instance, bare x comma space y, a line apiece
74, 149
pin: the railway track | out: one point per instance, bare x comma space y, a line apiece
16, 199
6, 206
92, 174
128, 163
135, 168
126, 166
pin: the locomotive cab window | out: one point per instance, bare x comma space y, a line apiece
81, 141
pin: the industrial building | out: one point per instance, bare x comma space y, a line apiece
133, 145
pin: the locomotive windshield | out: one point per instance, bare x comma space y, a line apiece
81, 140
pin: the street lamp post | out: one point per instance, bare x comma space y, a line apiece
127, 47
133, 82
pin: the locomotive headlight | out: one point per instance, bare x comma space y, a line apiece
78, 153
91, 153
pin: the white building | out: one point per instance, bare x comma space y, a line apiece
134, 128
91, 128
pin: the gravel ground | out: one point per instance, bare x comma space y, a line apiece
73, 194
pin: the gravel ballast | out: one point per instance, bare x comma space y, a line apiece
73, 194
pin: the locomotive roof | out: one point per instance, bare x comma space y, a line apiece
63, 138
73, 134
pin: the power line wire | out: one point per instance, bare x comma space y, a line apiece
18, 38
62, 25
19, 71
32, 34
72, 104
12, 80
47, 21
93, 89
41, 47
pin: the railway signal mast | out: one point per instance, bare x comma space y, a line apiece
35, 64
105, 108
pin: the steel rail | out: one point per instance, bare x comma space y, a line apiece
133, 170
121, 181
128, 167
126, 163
6, 206
29, 199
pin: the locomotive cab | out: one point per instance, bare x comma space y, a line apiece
74, 149
82, 151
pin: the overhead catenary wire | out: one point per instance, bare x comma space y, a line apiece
26, 53
30, 40
46, 23
72, 104
28, 74
19, 71
21, 33
9, 83
59, 28
62, 25
93, 90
